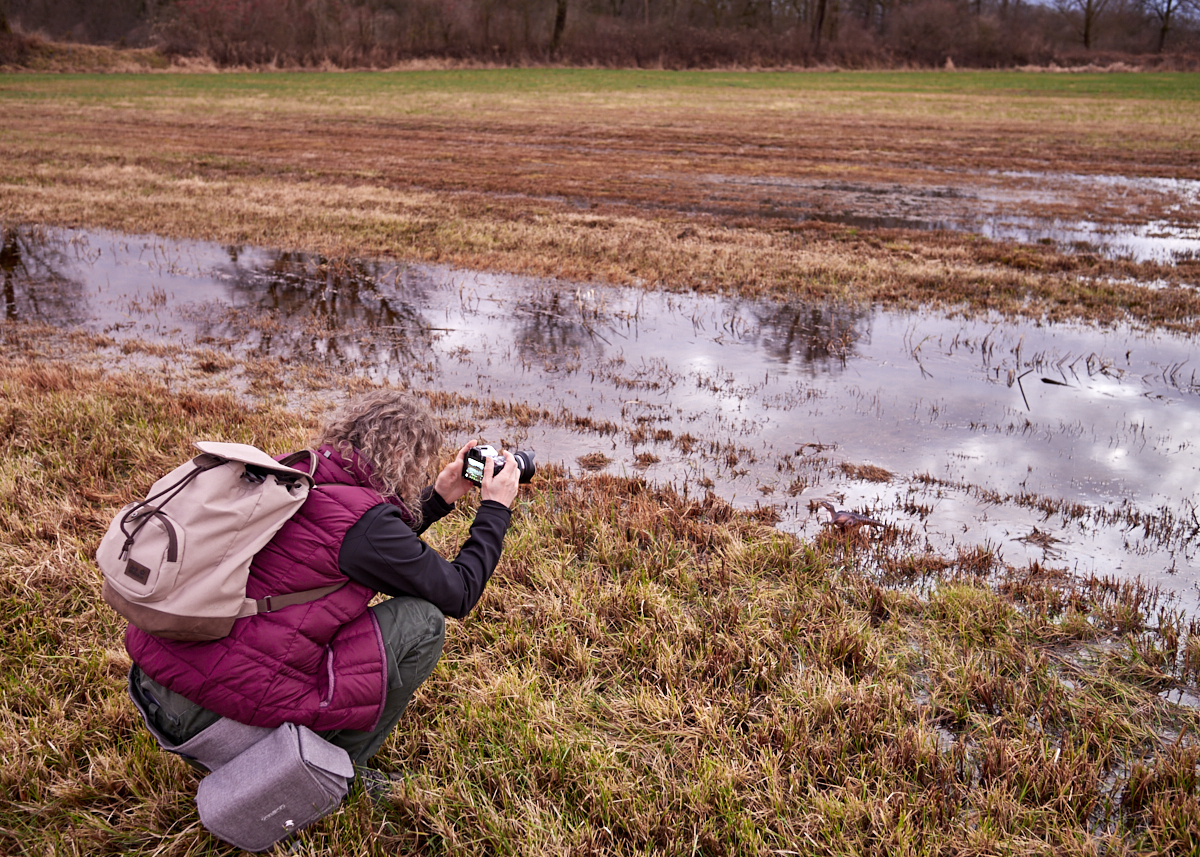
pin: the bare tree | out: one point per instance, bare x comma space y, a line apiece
717, 9
1166, 12
818, 24
486, 10
1089, 11
680, 32
560, 24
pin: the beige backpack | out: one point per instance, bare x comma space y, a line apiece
176, 564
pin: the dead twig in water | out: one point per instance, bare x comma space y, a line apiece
1021, 387
587, 327
1042, 539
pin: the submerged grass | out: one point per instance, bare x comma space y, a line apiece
646, 674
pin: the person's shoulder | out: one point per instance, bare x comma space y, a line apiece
383, 514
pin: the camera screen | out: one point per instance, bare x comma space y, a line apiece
474, 469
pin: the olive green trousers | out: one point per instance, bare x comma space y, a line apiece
413, 633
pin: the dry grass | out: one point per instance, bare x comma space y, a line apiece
645, 674
594, 461
866, 472
661, 186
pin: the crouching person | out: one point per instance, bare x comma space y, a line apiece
343, 669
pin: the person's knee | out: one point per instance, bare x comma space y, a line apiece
436, 623
414, 632
419, 613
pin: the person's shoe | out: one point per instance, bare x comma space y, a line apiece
377, 784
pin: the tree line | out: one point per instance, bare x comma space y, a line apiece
654, 33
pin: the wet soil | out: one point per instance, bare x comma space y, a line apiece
1140, 219
1065, 445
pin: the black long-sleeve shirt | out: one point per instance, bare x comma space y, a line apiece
382, 552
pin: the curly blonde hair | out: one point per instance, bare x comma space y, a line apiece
396, 434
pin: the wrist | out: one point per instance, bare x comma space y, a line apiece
445, 491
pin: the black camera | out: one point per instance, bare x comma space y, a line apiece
476, 455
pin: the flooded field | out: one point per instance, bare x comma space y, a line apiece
961, 303
1119, 217
1067, 445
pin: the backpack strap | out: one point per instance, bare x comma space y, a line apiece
309, 455
277, 602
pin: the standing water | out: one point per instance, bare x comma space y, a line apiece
1069, 445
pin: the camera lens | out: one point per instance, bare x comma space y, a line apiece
525, 462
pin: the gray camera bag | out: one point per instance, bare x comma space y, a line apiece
280, 785
265, 784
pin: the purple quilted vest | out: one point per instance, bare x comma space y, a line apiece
321, 664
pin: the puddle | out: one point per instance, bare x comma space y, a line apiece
1182, 697
1121, 217
1069, 445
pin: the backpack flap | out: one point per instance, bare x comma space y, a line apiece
176, 564
244, 453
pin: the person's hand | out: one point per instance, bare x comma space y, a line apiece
450, 484
502, 488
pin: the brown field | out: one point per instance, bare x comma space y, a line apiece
678, 184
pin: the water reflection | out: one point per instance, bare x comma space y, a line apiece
38, 285
819, 335
309, 307
1066, 444
557, 324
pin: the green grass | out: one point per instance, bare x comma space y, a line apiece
114, 87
